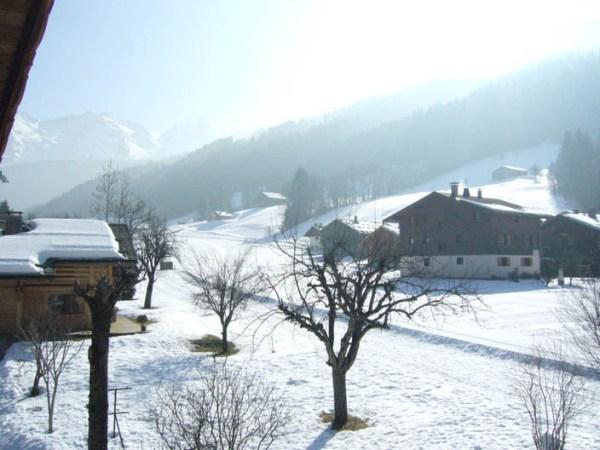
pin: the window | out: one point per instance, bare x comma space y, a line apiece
64, 304
440, 225
411, 240
476, 216
531, 241
460, 260
458, 239
426, 240
413, 220
527, 261
504, 239
441, 247
426, 262
503, 261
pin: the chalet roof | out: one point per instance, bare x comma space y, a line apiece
494, 204
361, 227
579, 218
315, 230
512, 168
274, 195
57, 239
390, 228
22, 25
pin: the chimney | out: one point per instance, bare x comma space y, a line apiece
466, 192
355, 219
14, 223
454, 189
479, 193
592, 214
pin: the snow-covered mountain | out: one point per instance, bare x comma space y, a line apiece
79, 137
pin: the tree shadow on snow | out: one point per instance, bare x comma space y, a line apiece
322, 439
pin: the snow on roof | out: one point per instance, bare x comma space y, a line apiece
361, 227
64, 239
584, 219
274, 195
518, 169
391, 227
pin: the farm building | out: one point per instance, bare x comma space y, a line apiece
314, 236
571, 242
40, 265
508, 172
463, 236
344, 237
266, 199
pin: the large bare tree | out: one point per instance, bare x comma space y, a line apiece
339, 300
155, 243
101, 298
223, 284
53, 351
230, 409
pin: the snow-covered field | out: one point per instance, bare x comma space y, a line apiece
424, 385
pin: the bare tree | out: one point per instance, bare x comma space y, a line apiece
223, 286
319, 292
232, 410
106, 193
53, 351
101, 298
154, 244
552, 398
582, 311
128, 208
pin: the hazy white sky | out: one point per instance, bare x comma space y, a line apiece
251, 63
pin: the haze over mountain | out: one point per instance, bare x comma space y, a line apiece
46, 158
534, 106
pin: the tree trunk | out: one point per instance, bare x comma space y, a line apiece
225, 345
149, 289
98, 402
339, 398
35, 389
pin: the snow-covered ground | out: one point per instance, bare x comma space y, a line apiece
424, 385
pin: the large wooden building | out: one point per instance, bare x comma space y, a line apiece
571, 243
346, 237
465, 236
40, 265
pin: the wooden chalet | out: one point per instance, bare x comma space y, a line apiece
345, 237
571, 244
40, 264
314, 235
468, 236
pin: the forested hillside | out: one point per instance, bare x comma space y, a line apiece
533, 106
577, 170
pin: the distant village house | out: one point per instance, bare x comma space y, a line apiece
508, 172
266, 199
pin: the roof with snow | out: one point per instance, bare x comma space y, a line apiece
583, 219
514, 168
275, 195
361, 227
26, 253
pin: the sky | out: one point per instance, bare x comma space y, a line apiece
246, 64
